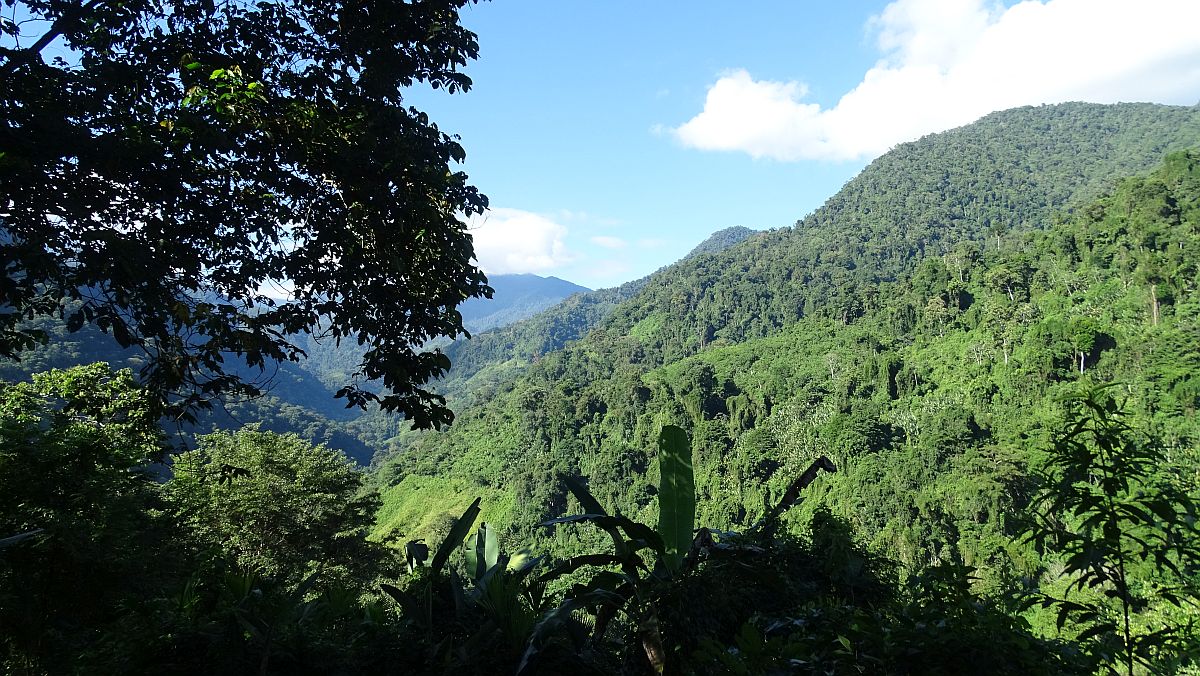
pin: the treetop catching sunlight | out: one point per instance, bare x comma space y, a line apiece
204, 179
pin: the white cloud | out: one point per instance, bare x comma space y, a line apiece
651, 242
608, 242
569, 215
512, 240
947, 62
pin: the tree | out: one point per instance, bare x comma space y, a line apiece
74, 519
1005, 278
276, 506
1083, 333
1104, 506
181, 157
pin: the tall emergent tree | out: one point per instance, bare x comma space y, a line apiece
164, 162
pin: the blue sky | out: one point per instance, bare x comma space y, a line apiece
611, 137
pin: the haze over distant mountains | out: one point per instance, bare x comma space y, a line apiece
516, 297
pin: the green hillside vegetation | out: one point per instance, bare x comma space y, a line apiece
1008, 172
924, 349
945, 425
873, 280
721, 240
503, 354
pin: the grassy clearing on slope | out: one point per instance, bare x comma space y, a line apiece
420, 506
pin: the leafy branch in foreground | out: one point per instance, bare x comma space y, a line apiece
196, 160
1106, 509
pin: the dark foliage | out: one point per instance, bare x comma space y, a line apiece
193, 154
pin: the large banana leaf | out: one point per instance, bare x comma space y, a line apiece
676, 495
482, 551
458, 532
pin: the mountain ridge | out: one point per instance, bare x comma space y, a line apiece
507, 350
951, 199
516, 297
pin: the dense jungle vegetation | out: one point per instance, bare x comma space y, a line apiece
946, 424
871, 321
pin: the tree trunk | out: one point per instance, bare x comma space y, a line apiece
1154, 304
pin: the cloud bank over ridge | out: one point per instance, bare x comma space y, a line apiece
945, 63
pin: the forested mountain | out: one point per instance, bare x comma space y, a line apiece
1009, 171
298, 396
515, 297
917, 329
294, 400
504, 353
721, 240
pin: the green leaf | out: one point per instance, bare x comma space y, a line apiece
641, 535
523, 561
676, 495
589, 503
549, 625
416, 553
1094, 631
482, 551
407, 602
575, 563
592, 508
458, 532
1165, 511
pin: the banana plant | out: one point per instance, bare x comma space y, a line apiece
495, 601
636, 585
498, 588
417, 604
633, 590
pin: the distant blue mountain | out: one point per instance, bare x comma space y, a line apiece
516, 297
299, 396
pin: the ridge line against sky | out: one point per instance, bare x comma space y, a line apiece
613, 137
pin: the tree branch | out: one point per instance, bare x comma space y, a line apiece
792, 495
61, 25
